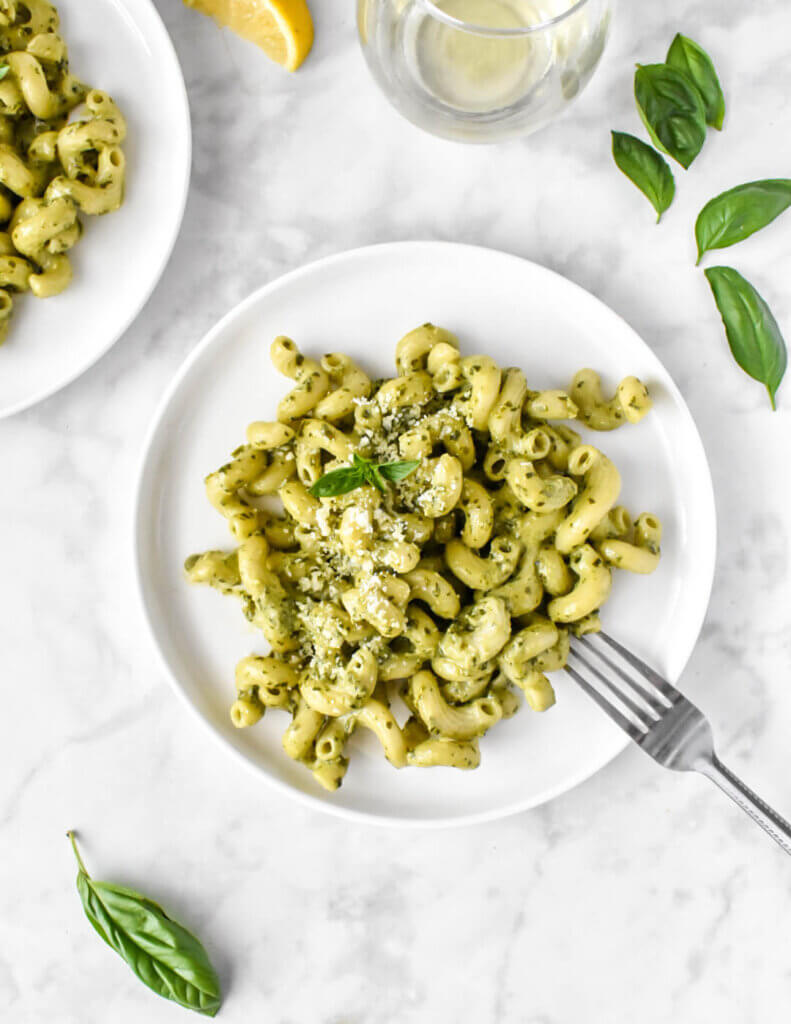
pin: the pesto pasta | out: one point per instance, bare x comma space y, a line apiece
51, 170
418, 608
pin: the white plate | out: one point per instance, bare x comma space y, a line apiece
120, 47
361, 302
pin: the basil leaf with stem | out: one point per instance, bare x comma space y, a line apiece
735, 215
692, 60
361, 472
163, 954
672, 111
369, 471
396, 471
646, 169
753, 335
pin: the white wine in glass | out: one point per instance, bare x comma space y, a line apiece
481, 70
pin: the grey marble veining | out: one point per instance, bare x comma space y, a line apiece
640, 895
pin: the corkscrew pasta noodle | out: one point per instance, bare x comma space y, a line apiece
445, 594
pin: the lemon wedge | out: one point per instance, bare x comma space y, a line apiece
282, 28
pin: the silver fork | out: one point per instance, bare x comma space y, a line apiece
661, 721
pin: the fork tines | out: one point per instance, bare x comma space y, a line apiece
639, 697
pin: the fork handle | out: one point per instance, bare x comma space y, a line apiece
770, 821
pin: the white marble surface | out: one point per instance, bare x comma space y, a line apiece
641, 895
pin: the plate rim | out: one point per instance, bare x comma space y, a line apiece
306, 799
186, 120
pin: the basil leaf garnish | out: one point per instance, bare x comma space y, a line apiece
735, 215
672, 111
163, 955
375, 478
753, 335
645, 168
362, 471
4, 69
692, 60
338, 481
395, 471
369, 472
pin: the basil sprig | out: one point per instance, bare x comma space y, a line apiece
163, 955
361, 472
735, 215
672, 110
753, 335
686, 56
645, 168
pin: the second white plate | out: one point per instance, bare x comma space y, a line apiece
361, 303
122, 48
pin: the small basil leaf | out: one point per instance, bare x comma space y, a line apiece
339, 481
4, 69
361, 472
375, 479
753, 335
672, 111
646, 169
692, 60
395, 471
735, 215
164, 955
368, 472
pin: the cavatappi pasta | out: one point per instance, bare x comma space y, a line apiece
51, 170
447, 593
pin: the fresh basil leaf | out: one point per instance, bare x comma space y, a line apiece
368, 471
646, 169
375, 479
753, 335
362, 471
163, 954
672, 111
339, 481
692, 60
735, 215
395, 471
4, 69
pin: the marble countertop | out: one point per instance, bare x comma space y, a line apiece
641, 895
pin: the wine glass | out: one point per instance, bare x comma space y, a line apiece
482, 70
